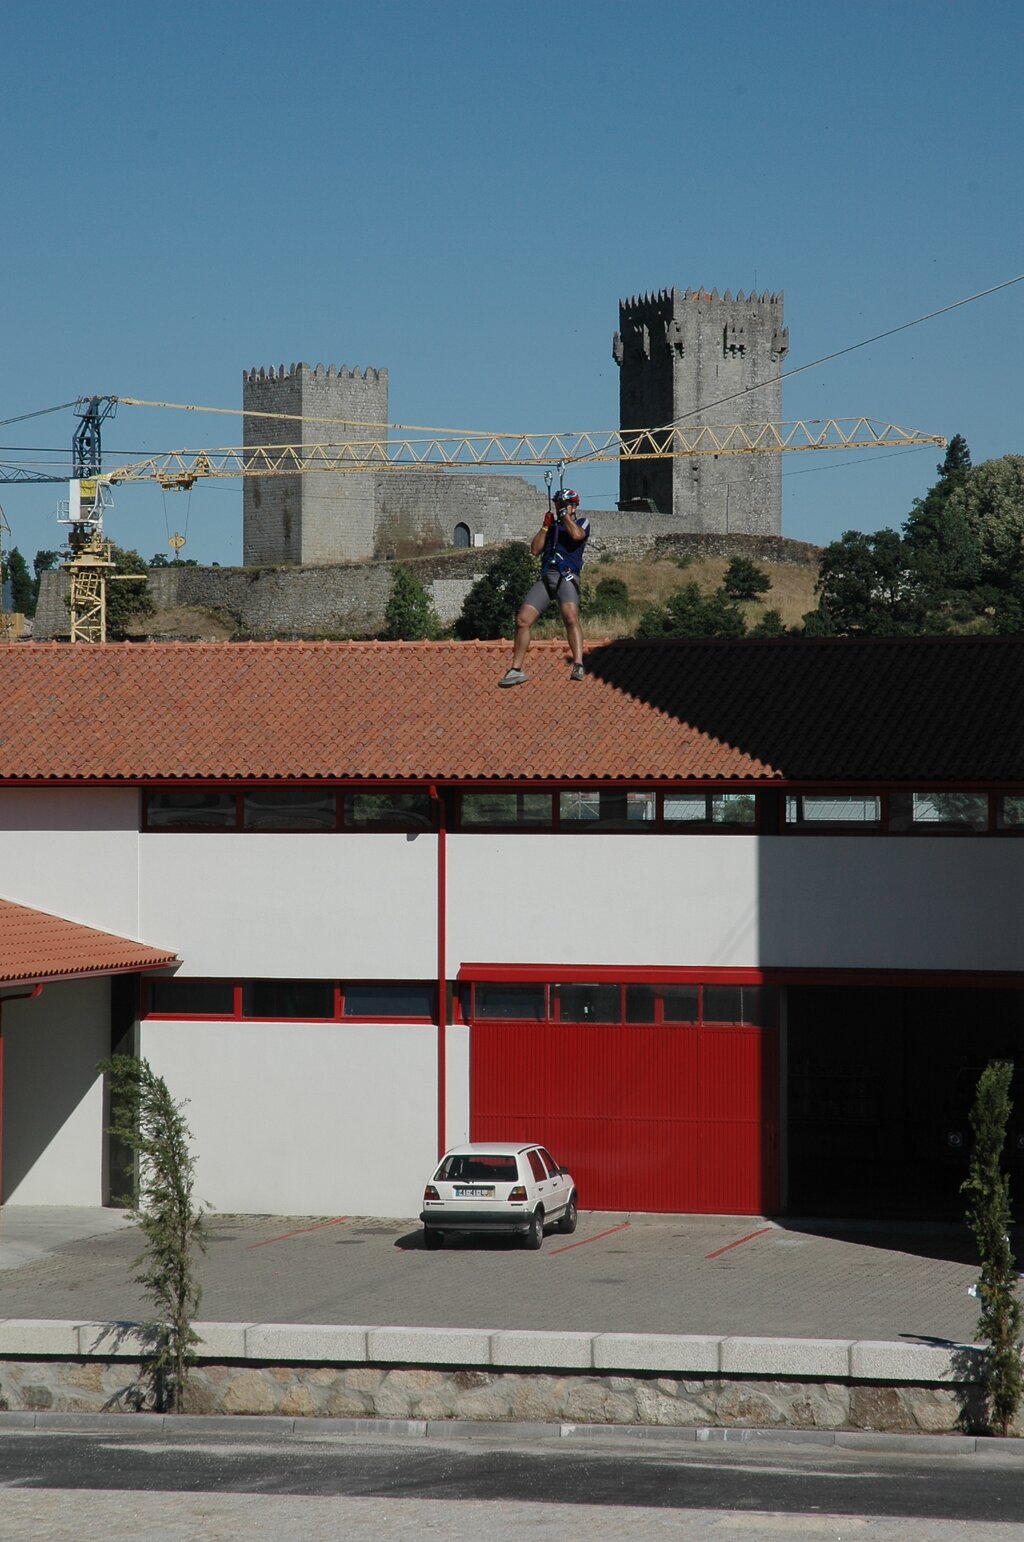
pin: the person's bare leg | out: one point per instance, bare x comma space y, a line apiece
573, 631
524, 624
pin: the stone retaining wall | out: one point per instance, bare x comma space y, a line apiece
309, 1371
350, 599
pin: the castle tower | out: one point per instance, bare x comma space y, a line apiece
319, 516
689, 356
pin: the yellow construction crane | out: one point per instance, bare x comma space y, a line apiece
180, 469
439, 450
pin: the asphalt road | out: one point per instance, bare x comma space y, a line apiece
981, 1488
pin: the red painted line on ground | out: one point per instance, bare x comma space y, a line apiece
584, 1240
300, 1233
739, 1242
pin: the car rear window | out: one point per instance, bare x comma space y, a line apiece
537, 1165
479, 1168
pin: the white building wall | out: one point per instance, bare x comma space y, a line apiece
313, 906
53, 1140
73, 852
834, 902
302, 1118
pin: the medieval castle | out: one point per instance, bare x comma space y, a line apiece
685, 356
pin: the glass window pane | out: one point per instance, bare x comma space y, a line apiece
205, 810
480, 1167
505, 808
536, 1166
733, 808
603, 809
1010, 812
680, 1003
938, 811
734, 1003
391, 810
686, 808
192, 998
525, 1003
389, 1000
589, 1003
288, 998
288, 808
640, 1003
833, 808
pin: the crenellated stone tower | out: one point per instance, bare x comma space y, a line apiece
690, 356
319, 517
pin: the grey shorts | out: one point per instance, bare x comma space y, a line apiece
552, 585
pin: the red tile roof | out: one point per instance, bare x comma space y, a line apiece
37, 946
831, 710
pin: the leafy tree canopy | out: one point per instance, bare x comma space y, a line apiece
409, 616
127, 602
689, 613
867, 585
490, 606
23, 590
744, 580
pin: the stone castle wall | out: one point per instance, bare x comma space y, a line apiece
349, 600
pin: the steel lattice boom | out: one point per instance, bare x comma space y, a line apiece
182, 468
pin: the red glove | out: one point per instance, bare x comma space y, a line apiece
549, 520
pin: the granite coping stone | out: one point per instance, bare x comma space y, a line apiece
695, 1354
288, 1342
608, 1353
828, 1358
543, 1350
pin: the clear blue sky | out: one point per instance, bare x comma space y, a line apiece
461, 191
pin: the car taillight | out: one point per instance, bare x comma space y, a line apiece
430, 1193
517, 1196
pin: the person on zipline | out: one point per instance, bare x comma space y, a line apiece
559, 543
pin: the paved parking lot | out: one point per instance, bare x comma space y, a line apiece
618, 1273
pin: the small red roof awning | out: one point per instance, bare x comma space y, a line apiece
36, 946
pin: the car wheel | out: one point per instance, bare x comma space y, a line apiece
535, 1236
432, 1239
567, 1225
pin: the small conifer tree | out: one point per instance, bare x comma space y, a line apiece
409, 616
150, 1123
988, 1214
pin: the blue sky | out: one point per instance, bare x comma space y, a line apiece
462, 192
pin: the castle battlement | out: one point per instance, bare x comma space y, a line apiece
262, 374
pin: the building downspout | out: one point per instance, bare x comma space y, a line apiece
31, 995
442, 974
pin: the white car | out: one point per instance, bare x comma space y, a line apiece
510, 1187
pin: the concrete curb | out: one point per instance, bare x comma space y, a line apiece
270, 1428
622, 1353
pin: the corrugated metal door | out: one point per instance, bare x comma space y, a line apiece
672, 1118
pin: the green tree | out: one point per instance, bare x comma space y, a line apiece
610, 598
690, 613
990, 498
744, 580
129, 600
867, 585
23, 591
490, 606
146, 1119
409, 616
987, 1189
771, 624
943, 551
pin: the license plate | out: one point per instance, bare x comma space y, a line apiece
474, 1193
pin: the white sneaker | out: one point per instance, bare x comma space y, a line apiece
513, 677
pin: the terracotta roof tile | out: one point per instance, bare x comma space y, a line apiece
37, 946
831, 709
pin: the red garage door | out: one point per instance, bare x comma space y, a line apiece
671, 1118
